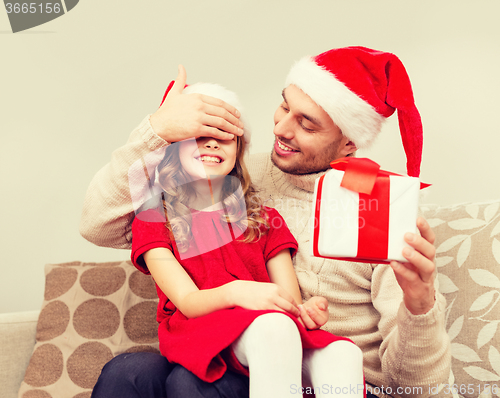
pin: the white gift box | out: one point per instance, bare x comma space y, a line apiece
365, 227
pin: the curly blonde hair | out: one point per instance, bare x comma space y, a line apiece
174, 181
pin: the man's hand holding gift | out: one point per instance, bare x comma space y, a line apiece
363, 214
416, 277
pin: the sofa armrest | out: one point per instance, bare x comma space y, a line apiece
17, 339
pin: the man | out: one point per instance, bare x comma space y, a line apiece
333, 104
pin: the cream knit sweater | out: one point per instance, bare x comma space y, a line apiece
365, 301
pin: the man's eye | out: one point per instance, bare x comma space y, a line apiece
284, 107
306, 129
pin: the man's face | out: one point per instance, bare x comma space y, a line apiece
307, 139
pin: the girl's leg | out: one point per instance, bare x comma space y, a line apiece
337, 367
272, 350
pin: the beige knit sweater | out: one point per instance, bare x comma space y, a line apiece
365, 301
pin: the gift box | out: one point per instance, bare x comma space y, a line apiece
361, 213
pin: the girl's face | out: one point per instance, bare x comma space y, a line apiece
207, 157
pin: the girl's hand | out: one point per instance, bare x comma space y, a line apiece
183, 116
262, 296
314, 312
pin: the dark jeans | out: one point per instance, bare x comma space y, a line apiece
148, 375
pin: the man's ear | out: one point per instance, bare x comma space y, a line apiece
348, 148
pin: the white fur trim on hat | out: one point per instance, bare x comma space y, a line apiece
217, 91
357, 119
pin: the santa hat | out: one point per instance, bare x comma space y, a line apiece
359, 88
216, 91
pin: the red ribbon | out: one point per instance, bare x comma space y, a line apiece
364, 176
317, 206
364, 169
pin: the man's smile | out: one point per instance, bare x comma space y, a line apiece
282, 149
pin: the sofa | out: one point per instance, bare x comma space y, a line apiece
94, 311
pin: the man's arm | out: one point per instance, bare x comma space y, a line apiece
416, 349
108, 210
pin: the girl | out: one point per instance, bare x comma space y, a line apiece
222, 263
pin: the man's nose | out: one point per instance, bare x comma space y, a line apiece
284, 128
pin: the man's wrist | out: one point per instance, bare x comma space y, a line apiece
155, 125
422, 307
151, 138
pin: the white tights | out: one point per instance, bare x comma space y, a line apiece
272, 350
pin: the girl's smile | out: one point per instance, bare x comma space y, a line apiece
207, 157
210, 160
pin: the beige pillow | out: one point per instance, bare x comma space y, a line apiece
91, 313
468, 261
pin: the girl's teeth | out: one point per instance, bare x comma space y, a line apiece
210, 159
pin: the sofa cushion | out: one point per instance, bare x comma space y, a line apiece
17, 338
91, 312
468, 261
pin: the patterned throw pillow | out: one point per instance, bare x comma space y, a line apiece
91, 313
468, 261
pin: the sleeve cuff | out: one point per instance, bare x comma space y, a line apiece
149, 137
286, 245
434, 317
137, 255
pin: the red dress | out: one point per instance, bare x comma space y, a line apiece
202, 345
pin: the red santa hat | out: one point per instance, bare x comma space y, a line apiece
216, 91
359, 88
